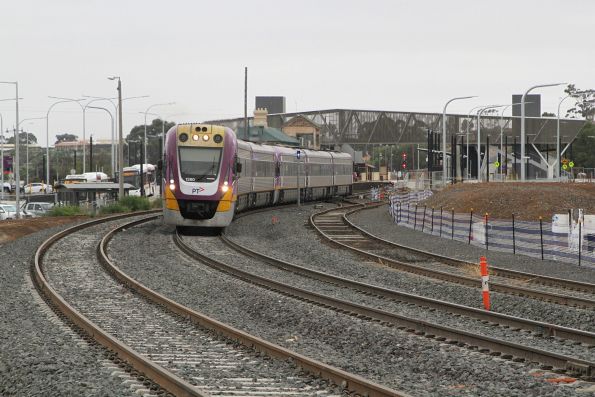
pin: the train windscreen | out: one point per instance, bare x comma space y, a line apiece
199, 164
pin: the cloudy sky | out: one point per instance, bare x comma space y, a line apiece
380, 55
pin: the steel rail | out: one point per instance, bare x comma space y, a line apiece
347, 380
167, 380
537, 327
420, 327
441, 275
495, 270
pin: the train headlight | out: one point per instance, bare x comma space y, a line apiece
205, 137
172, 185
183, 137
195, 137
218, 138
225, 187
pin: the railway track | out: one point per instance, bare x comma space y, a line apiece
181, 351
334, 226
426, 323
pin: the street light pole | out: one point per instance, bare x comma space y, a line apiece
110, 100
479, 138
16, 145
142, 179
444, 135
27, 142
120, 140
468, 122
523, 137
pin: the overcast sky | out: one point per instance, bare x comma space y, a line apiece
377, 55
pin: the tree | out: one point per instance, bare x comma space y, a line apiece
154, 129
583, 147
584, 102
23, 138
66, 138
548, 114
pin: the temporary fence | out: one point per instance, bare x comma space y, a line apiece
560, 239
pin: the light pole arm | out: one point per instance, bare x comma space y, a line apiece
444, 134
523, 135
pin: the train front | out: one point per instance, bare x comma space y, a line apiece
199, 176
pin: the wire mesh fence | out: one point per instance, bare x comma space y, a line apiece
561, 239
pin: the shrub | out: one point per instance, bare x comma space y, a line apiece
67, 210
134, 203
113, 209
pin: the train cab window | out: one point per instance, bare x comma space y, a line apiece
199, 164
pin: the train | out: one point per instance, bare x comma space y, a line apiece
209, 175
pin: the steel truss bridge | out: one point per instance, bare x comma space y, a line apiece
367, 129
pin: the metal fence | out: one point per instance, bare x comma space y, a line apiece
567, 242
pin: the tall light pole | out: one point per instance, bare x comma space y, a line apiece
142, 179
27, 137
523, 137
120, 140
112, 125
83, 108
47, 135
479, 138
110, 100
501, 132
444, 134
468, 122
16, 145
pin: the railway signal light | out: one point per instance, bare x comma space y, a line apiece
404, 155
404, 164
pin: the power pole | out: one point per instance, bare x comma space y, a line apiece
121, 143
246, 103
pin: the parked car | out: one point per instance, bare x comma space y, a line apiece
37, 188
37, 209
8, 211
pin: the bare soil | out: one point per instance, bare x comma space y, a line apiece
14, 229
528, 201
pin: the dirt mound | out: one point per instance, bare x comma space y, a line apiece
13, 229
528, 201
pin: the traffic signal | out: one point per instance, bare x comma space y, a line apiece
404, 155
404, 165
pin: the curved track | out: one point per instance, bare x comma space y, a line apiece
334, 226
160, 338
429, 329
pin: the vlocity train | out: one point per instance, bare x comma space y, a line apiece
209, 175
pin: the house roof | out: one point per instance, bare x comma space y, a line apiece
266, 135
300, 119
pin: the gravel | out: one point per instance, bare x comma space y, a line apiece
379, 222
394, 358
39, 355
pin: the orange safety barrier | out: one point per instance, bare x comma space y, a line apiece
485, 289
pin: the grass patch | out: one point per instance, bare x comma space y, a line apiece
67, 210
113, 209
135, 203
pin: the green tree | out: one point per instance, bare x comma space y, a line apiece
154, 130
66, 138
548, 114
583, 147
584, 102
23, 138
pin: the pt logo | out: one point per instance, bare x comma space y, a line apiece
196, 190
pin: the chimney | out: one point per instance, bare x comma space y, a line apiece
260, 117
